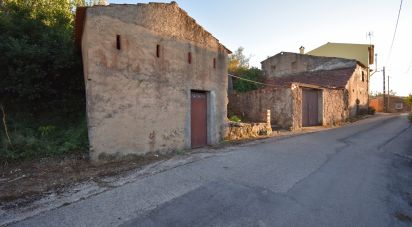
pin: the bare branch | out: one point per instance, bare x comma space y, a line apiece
5, 126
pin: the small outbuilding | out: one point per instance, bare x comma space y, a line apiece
155, 80
303, 90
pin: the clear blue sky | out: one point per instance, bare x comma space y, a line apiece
267, 27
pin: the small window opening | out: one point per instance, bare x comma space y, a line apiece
189, 57
294, 65
363, 76
158, 51
214, 63
118, 44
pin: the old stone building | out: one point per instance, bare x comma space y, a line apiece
330, 72
304, 90
155, 79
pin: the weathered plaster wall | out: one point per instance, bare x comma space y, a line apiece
286, 105
296, 118
358, 90
286, 63
252, 106
335, 107
138, 102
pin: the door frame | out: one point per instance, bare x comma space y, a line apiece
319, 103
189, 118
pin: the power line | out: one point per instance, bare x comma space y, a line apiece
409, 67
251, 81
394, 33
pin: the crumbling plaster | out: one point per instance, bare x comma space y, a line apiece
138, 102
358, 89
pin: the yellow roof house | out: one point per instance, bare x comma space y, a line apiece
364, 53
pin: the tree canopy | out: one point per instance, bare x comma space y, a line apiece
238, 60
39, 62
239, 66
409, 99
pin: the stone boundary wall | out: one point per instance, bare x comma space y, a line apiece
236, 131
252, 106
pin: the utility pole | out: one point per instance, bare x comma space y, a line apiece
389, 95
384, 91
376, 62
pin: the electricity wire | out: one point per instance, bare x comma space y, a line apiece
394, 33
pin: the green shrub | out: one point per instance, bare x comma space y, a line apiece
41, 85
371, 111
235, 118
30, 141
363, 111
250, 74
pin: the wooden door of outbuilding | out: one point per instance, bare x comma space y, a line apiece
310, 107
198, 119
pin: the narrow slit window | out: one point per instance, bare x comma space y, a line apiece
118, 44
363, 76
214, 63
189, 57
158, 51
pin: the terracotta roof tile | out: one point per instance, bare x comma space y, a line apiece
336, 78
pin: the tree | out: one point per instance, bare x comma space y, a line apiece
378, 93
238, 61
239, 66
39, 63
409, 99
41, 87
250, 74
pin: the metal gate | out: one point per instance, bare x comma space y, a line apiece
310, 107
198, 119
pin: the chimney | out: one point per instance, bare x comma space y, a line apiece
302, 50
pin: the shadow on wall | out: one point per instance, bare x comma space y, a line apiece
252, 106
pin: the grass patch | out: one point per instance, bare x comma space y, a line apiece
47, 135
235, 118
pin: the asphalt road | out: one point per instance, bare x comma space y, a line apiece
357, 175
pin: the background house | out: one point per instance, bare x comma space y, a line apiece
304, 90
156, 81
396, 104
364, 53
330, 72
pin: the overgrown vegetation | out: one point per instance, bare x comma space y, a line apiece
408, 99
239, 66
371, 110
41, 86
235, 118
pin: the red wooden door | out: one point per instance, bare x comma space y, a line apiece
310, 108
198, 119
